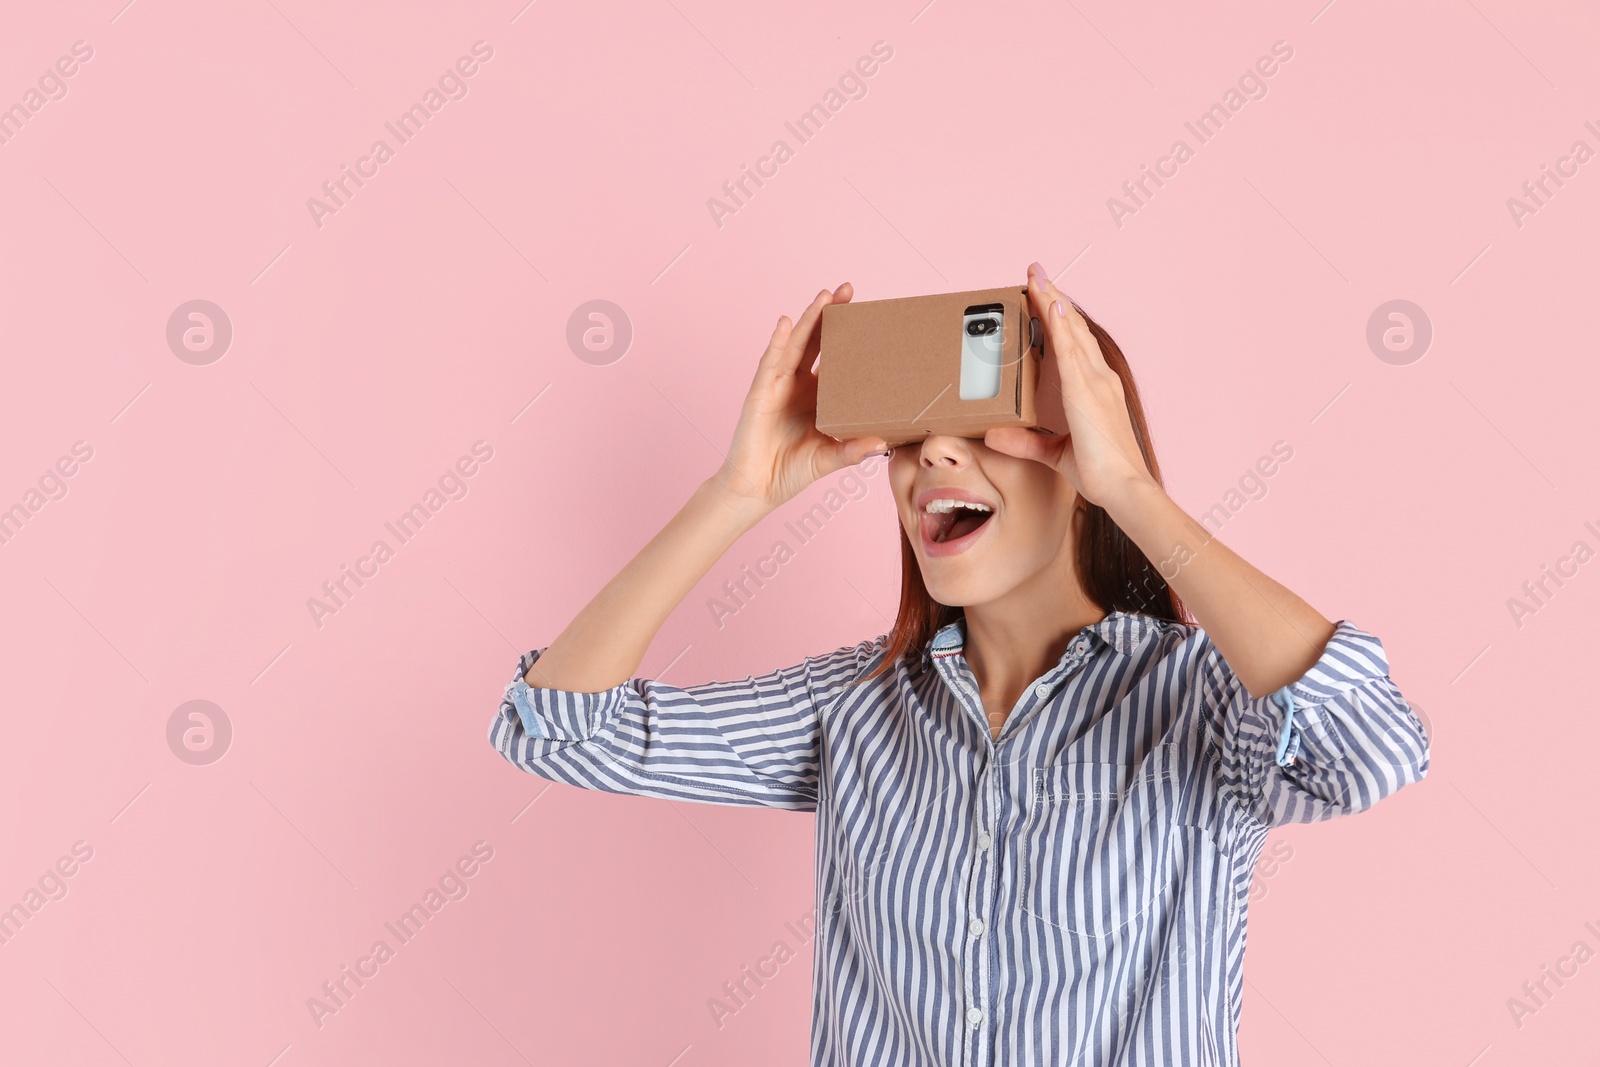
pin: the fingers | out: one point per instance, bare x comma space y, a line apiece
781, 330
775, 345
1085, 374
835, 455
813, 341
805, 340
790, 341
777, 383
1025, 444
1046, 298
1069, 331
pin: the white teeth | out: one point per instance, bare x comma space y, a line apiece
936, 507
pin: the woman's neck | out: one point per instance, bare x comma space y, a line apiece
1011, 643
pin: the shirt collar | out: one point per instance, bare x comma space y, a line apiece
1123, 631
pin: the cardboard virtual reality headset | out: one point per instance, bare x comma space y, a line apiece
949, 363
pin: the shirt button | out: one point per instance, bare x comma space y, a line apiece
974, 1016
1042, 689
975, 927
983, 841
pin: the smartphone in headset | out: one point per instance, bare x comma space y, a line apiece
983, 345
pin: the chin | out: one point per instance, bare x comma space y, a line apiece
957, 592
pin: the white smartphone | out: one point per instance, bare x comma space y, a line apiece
982, 345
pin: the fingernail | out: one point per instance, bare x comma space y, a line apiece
1061, 309
1038, 268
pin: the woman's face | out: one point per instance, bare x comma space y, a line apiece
980, 559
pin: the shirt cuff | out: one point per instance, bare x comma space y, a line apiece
558, 714
1352, 658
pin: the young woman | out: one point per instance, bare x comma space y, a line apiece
1040, 797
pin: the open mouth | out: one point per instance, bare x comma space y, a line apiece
952, 520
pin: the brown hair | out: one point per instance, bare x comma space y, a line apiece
1115, 574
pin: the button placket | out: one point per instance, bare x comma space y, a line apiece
1076, 651
978, 950
976, 969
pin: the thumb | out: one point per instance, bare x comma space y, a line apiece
1023, 443
841, 454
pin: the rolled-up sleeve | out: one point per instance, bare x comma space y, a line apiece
1333, 742
755, 741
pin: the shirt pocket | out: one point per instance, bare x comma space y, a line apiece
1096, 847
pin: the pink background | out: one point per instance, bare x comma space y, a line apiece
431, 311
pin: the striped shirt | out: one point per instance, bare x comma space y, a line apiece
1073, 891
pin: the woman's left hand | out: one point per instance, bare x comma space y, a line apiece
1099, 454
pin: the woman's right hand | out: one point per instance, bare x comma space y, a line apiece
777, 449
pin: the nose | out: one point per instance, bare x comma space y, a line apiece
945, 450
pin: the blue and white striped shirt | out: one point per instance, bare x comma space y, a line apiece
1071, 892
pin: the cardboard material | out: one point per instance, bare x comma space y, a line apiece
895, 368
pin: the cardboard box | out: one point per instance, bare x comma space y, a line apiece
904, 368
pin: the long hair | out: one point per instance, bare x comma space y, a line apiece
1115, 574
